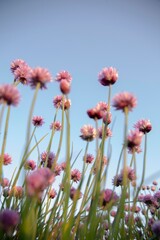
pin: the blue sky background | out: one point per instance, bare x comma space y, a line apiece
83, 37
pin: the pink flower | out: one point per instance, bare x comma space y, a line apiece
98, 111
22, 73
143, 126
9, 94
40, 76
118, 180
16, 64
107, 134
74, 192
30, 165
134, 140
57, 170
89, 158
37, 121
38, 180
50, 160
107, 118
65, 86
16, 191
108, 76
124, 100
52, 193
64, 75
131, 175
156, 228
4, 182
63, 166
108, 196
75, 175
88, 133
57, 102
7, 159
9, 219
57, 126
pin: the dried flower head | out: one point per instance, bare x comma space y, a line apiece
37, 121
9, 95
143, 126
108, 76
88, 133
40, 76
124, 100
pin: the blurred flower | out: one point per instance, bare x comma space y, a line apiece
156, 228
7, 159
22, 73
107, 134
134, 140
89, 158
30, 165
63, 75
65, 86
9, 219
88, 133
38, 180
148, 199
16, 64
52, 193
37, 121
40, 76
76, 175
63, 166
57, 170
108, 76
16, 191
143, 126
4, 182
75, 192
98, 111
155, 183
108, 197
157, 196
9, 94
57, 126
131, 175
57, 102
118, 180
50, 160
107, 118
124, 100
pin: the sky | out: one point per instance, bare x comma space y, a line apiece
83, 37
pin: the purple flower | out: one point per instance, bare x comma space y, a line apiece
156, 228
88, 133
30, 165
40, 76
75, 192
143, 126
108, 76
89, 158
124, 100
9, 94
118, 180
76, 175
37, 121
108, 197
50, 160
9, 219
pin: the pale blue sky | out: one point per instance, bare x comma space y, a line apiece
83, 37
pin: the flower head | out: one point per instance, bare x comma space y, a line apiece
108, 132
76, 175
52, 193
50, 157
108, 76
16, 64
64, 75
37, 121
89, 158
124, 100
4, 182
75, 193
7, 159
16, 191
156, 228
9, 94
30, 165
57, 126
143, 126
88, 133
98, 111
9, 219
134, 140
108, 197
22, 73
39, 76
58, 102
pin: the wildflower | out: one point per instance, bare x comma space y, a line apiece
98, 111
89, 158
156, 228
107, 118
57, 126
136, 209
38, 180
37, 121
64, 75
65, 86
22, 73
57, 169
52, 193
7, 159
155, 183
157, 196
39, 76
16, 64
134, 140
75, 175
30, 165
108, 76
9, 219
108, 197
16, 191
124, 100
9, 94
143, 126
63, 166
131, 175
148, 199
50, 160
4, 182
107, 134
118, 180
58, 102
75, 192
88, 133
